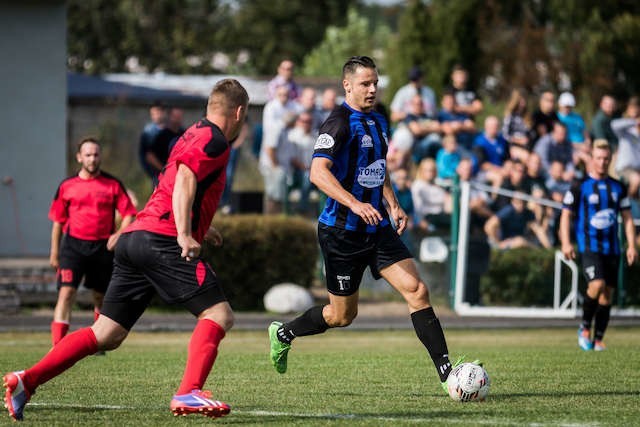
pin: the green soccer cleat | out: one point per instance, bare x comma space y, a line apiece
459, 361
279, 350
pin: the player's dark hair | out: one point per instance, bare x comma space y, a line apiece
228, 94
86, 139
354, 62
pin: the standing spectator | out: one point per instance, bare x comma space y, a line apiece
84, 210
401, 103
536, 177
594, 205
328, 103
556, 184
431, 202
276, 116
515, 181
148, 160
515, 128
467, 100
492, 152
556, 146
402, 187
234, 153
576, 129
478, 199
456, 123
302, 138
167, 137
601, 122
284, 78
543, 117
160, 253
628, 162
307, 103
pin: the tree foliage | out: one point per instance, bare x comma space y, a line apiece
357, 37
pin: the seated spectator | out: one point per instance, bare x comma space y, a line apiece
576, 129
601, 122
417, 133
509, 227
556, 184
515, 181
543, 117
403, 98
478, 200
307, 103
448, 158
515, 128
556, 146
431, 202
302, 139
328, 103
284, 77
536, 177
454, 123
467, 101
492, 151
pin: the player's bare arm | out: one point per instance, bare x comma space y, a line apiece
113, 239
630, 234
564, 233
397, 213
321, 176
56, 234
184, 192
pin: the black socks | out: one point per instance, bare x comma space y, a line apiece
430, 333
310, 322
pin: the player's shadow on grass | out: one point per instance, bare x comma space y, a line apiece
510, 396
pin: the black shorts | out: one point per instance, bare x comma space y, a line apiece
84, 258
600, 267
347, 253
146, 263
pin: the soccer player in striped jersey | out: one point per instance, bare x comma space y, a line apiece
355, 230
594, 204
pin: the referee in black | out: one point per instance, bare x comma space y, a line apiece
594, 204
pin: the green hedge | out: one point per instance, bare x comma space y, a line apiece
260, 251
524, 277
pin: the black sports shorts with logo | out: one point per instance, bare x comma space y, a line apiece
88, 258
597, 266
347, 253
148, 263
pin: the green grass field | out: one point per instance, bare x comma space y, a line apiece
539, 378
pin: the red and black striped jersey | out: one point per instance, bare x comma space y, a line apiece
86, 207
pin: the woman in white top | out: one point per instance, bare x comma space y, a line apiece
432, 204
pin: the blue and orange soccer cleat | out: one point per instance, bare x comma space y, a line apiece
584, 339
598, 345
16, 395
198, 402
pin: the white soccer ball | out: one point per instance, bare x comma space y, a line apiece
468, 382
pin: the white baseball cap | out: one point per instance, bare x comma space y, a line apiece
566, 99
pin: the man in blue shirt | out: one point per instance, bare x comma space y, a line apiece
594, 203
355, 230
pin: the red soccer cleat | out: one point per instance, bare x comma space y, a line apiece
198, 402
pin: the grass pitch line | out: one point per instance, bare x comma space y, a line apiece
260, 413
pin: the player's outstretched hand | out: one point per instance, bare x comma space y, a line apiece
367, 212
400, 217
113, 239
190, 247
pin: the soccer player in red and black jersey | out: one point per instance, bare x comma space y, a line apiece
160, 252
84, 210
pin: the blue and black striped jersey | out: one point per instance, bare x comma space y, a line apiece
356, 143
595, 204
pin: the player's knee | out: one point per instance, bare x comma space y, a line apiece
341, 320
417, 295
111, 341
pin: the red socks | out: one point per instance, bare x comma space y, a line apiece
203, 349
96, 314
58, 331
62, 356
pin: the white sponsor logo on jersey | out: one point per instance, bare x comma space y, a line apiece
324, 141
625, 203
366, 142
371, 122
568, 198
373, 175
603, 219
594, 199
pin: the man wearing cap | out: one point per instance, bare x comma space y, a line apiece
576, 130
401, 103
